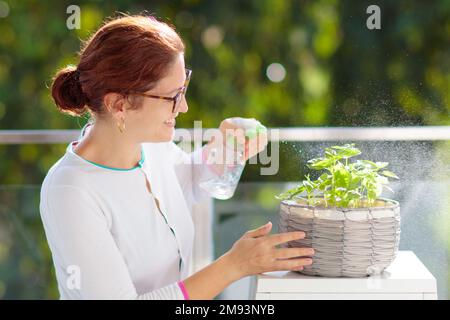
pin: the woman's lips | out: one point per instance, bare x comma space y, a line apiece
170, 123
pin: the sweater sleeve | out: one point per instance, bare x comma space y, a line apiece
80, 239
191, 169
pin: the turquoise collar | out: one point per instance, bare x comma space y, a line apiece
139, 165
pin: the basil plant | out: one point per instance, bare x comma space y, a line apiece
344, 183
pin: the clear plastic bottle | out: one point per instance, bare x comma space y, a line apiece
223, 187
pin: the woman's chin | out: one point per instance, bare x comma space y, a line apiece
167, 134
170, 133
163, 136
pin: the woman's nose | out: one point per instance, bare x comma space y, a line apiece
183, 106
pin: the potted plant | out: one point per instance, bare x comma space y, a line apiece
353, 231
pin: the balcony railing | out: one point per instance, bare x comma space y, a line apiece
429, 133
219, 223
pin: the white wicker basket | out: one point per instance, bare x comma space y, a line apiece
347, 242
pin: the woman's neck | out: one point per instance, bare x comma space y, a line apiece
105, 145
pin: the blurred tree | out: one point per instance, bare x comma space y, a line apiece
333, 70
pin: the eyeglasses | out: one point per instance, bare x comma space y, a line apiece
175, 99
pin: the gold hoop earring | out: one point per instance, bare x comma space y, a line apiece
121, 126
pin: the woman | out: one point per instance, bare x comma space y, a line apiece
115, 207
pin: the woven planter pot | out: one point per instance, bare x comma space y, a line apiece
354, 242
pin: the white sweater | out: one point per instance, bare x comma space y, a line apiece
107, 237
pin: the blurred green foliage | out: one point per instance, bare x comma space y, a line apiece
337, 73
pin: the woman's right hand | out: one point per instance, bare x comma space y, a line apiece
256, 252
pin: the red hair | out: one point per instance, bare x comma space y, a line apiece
127, 54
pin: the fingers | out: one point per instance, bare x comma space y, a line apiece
259, 232
230, 129
280, 238
287, 253
255, 145
258, 142
235, 136
291, 264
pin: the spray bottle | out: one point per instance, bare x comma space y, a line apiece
223, 186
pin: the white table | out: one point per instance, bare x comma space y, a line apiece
406, 278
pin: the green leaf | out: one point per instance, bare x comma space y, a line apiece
309, 185
347, 151
320, 163
354, 193
381, 165
368, 164
341, 178
389, 174
291, 193
382, 180
330, 154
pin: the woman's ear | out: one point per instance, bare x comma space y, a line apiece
115, 104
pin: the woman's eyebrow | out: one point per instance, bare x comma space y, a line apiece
175, 90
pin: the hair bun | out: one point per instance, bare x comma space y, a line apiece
67, 91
